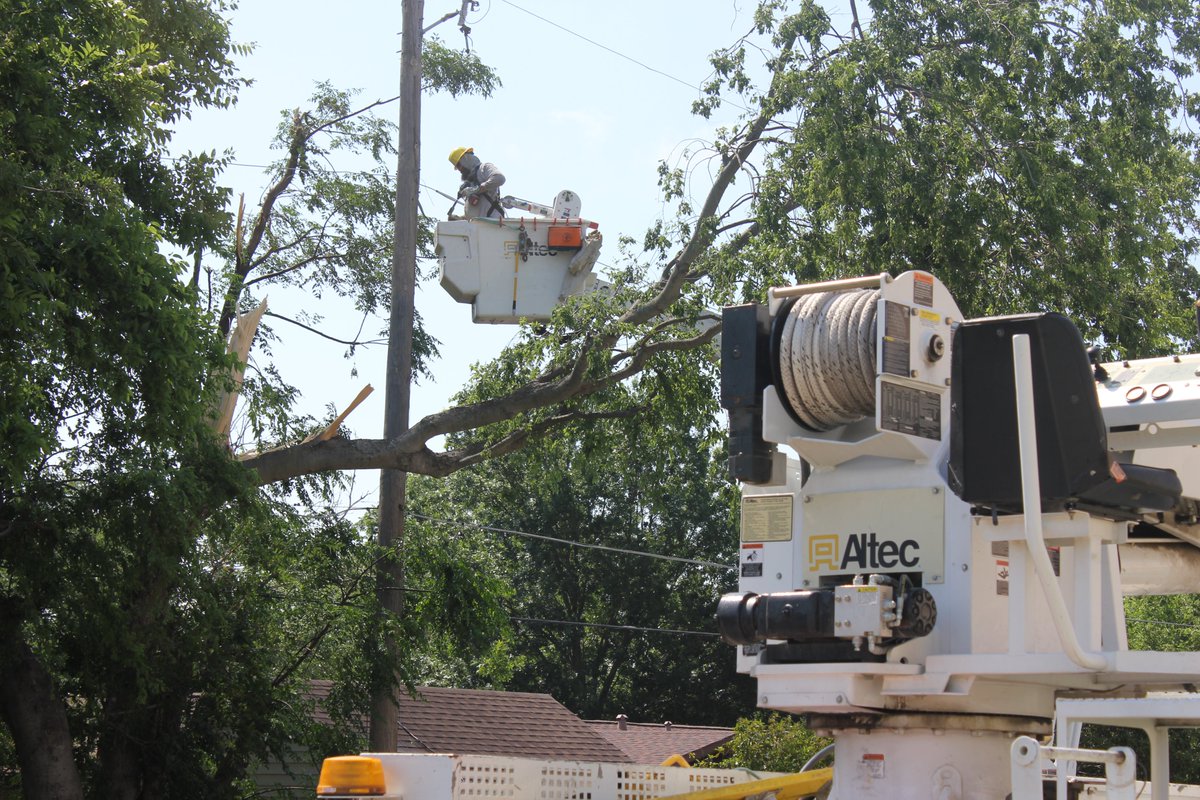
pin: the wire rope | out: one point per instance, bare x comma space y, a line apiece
827, 357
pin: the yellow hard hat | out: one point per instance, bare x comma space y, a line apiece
457, 153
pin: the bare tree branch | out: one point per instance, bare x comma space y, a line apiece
702, 236
855, 28
245, 255
301, 264
310, 233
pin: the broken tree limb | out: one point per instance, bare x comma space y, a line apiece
238, 345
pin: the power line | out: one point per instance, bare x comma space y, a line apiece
543, 537
602, 46
1164, 623
617, 53
634, 628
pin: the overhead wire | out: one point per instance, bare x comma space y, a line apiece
615, 52
582, 624
607, 626
578, 623
572, 543
1164, 622
554, 24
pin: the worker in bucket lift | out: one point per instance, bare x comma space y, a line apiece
480, 182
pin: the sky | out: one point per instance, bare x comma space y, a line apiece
594, 96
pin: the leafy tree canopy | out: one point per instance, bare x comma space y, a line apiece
651, 482
1032, 155
158, 618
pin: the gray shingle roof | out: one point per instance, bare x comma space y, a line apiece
529, 725
473, 721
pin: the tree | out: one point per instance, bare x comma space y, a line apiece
142, 580
650, 482
1033, 156
104, 349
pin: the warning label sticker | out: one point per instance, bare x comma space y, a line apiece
916, 412
752, 560
872, 766
766, 518
922, 289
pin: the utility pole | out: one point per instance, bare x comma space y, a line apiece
398, 381
393, 484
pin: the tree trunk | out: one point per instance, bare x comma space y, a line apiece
37, 720
120, 763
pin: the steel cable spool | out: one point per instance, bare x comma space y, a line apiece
823, 349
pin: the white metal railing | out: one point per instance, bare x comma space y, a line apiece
1120, 768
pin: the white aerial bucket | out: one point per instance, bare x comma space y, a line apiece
517, 268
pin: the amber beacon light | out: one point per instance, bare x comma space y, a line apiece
351, 776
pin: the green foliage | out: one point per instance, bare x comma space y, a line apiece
768, 743
100, 340
1031, 155
651, 481
1166, 623
454, 71
174, 618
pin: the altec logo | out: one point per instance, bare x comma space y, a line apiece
861, 551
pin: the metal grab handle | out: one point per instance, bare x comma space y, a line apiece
842, 285
1031, 499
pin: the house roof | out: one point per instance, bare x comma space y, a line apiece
473, 721
529, 725
646, 743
